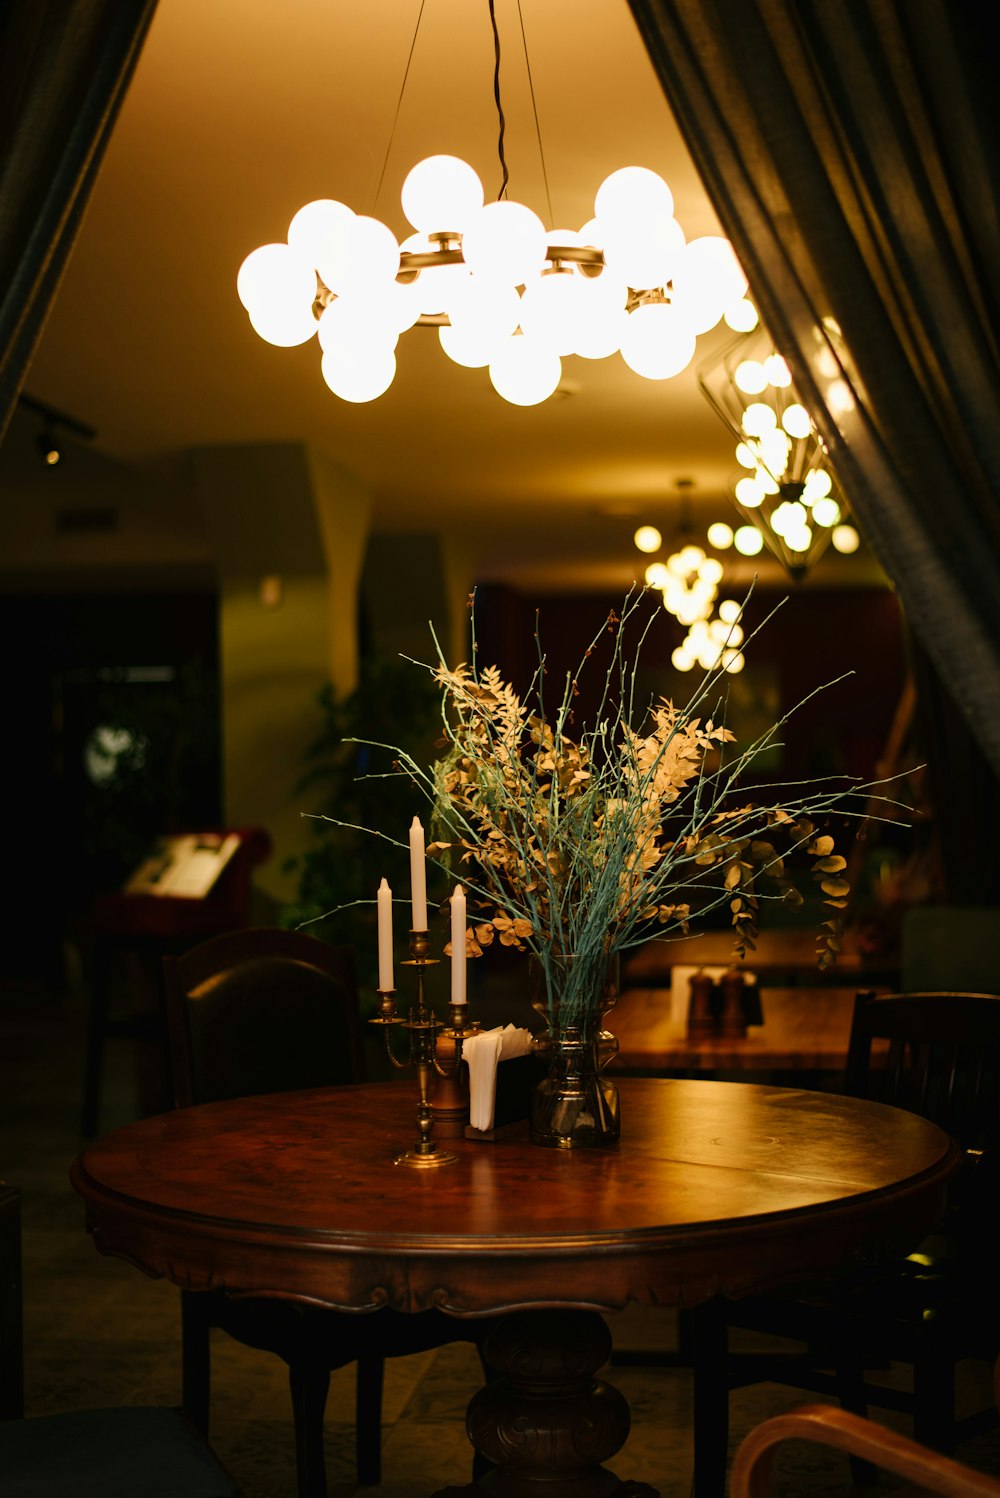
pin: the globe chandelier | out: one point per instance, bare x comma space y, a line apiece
503, 293
787, 494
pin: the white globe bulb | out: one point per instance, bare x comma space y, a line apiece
826, 512
364, 257
710, 570
845, 539
750, 493
817, 485
601, 316
741, 316
437, 285
707, 280
657, 342
441, 194
745, 455
470, 349
483, 311
798, 538
680, 659
748, 540
778, 373
729, 610
359, 374
551, 307
275, 273
505, 241
648, 538
795, 420
720, 535
353, 322
524, 373
749, 377
592, 234
732, 661
317, 226
656, 575
284, 324
633, 192
643, 255
692, 557
758, 419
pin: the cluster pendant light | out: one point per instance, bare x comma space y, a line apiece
786, 492
503, 293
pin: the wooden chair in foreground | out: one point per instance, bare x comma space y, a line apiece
265, 1010
859, 1438
99, 1453
930, 1308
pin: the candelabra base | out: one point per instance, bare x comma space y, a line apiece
419, 1159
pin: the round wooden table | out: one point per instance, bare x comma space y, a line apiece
716, 1188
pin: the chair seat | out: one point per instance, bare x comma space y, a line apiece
109, 1453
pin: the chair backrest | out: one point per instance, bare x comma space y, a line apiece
261, 1010
841, 1431
943, 1059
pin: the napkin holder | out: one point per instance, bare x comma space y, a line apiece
516, 1079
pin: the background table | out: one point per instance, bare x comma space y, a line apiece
716, 1188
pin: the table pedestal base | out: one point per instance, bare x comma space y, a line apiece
546, 1421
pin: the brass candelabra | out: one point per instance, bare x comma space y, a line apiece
424, 1029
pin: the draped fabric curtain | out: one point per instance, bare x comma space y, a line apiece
851, 151
65, 66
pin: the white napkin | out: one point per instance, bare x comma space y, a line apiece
483, 1051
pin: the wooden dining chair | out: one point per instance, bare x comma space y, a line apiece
93, 1453
880, 1448
266, 1010
928, 1309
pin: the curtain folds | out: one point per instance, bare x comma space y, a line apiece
852, 152
65, 66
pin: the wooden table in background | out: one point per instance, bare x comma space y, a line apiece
716, 1188
804, 1030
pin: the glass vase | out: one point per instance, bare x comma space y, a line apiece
575, 1106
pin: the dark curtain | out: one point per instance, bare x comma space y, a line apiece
851, 151
64, 70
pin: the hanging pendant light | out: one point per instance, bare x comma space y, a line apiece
786, 491
505, 294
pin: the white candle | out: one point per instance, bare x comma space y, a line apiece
418, 875
458, 945
384, 907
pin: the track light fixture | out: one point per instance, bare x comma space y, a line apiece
47, 441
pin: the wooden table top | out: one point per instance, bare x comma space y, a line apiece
716, 1186
803, 1030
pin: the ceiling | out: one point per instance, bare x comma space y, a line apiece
239, 113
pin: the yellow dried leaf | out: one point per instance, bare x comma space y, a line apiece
835, 887
821, 846
832, 865
733, 876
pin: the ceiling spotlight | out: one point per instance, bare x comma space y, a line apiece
48, 445
47, 442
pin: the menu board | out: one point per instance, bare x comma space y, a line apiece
183, 867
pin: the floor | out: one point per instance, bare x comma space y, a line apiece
99, 1333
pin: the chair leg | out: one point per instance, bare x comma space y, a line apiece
309, 1386
709, 1361
850, 1392
368, 1419
196, 1354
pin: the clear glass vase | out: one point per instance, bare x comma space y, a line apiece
575, 1106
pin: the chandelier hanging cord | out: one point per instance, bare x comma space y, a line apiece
399, 105
496, 95
534, 108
